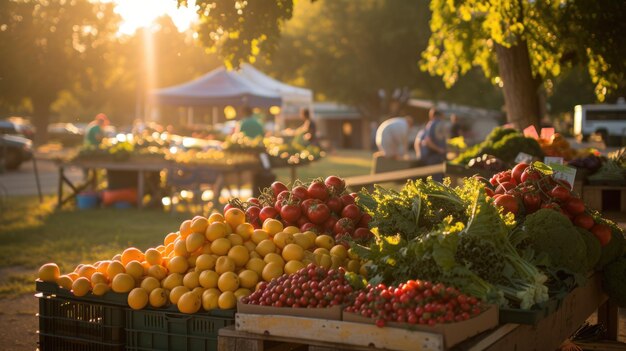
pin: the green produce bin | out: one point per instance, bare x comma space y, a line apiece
167, 330
77, 325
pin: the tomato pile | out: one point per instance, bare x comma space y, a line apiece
525, 189
323, 207
415, 302
311, 286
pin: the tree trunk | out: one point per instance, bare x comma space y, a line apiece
41, 116
521, 96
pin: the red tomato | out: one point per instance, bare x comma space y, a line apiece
583, 220
227, 207
353, 212
318, 190
551, 205
309, 227
300, 192
530, 174
347, 199
267, 212
335, 184
508, 203
560, 193
364, 221
318, 213
363, 234
344, 226
517, 172
278, 187
504, 187
334, 204
489, 191
283, 196
330, 223
602, 232
307, 203
532, 202
575, 206
252, 216
254, 200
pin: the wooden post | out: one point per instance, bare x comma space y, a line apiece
60, 189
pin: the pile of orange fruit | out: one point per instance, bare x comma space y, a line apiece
208, 263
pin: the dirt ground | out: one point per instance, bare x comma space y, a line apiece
18, 323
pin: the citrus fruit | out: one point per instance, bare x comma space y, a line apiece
103, 266
256, 265
171, 281
150, 283
153, 256
199, 224
86, 271
190, 302
248, 278
178, 264
282, 238
132, 254
99, 278
204, 262
229, 281
65, 282
215, 231
177, 292
239, 254
134, 269
138, 298
191, 280
216, 217
244, 230
242, 292
209, 300
234, 217
100, 289
293, 266
208, 279
321, 251
122, 283
169, 238
293, 252
159, 272
227, 300
194, 241
291, 230
81, 286
250, 245
303, 240
325, 241
224, 264
180, 247
220, 246
272, 270
259, 235
339, 251
235, 239
353, 266
185, 228
274, 257
265, 247
272, 226
158, 297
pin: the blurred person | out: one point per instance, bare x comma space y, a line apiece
456, 129
95, 130
269, 124
392, 137
307, 132
431, 142
249, 125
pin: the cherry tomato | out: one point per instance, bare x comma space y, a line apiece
364, 221
504, 187
318, 190
318, 213
353, 212
300, 192
602, 232
517, 172
334, 204
267, 212
508, 203
308, 226
363, 234
252, 216
329, 225
254, 200
560, 193
584, 220
532, 202
344, 226
278, 187
530, 174
335, 184
307, 203
347, 199
575, 206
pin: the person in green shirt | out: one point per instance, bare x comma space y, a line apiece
95, 130
250, 125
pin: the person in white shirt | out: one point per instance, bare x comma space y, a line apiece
392, 137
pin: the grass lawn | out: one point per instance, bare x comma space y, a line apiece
32, 233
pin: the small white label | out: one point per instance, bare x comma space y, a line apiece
565, 173
553, 160
265, 160
523, 158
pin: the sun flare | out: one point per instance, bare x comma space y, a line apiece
142, 13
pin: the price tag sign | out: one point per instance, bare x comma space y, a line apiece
523, 158
565, 173
531, 132
265, 161
553, 160
547, 133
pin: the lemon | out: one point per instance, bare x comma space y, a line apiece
177, 292
265, 247
227, 300
224, 264
123, 283
158, 297
248, 278
204, 262
221, 246
138, 298
191, 280
272, 270
171, 281
189, 302
239, 254
293, 252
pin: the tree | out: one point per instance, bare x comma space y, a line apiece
521, 45
49, 46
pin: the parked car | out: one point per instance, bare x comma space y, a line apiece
14, 150
66, 133
17, 126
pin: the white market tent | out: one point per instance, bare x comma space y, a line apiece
222, 87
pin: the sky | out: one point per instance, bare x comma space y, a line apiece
141, 13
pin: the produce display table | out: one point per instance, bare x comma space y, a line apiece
141, 167
548, 334
597, 196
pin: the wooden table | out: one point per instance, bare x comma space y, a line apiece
548, 334
141, 167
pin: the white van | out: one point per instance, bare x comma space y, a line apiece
605, 119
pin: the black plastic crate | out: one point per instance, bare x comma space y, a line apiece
75, 325
166, 330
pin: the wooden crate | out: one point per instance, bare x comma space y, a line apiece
597, 197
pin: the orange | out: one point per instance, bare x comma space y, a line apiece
185, 229
117, 257
158, 297
100, 289
169, 248
325, 241
272, 226
282, 238
135, 269
169, 238
150, 283
122, 283
132, 254
177, 292
99, 278
224, 264
65, 282
293, 252
272, 270
180, 248
265, 247
216, 217
303, 240
153, 256
115, 268
87, 271
159, 272
244, 230
171, 281
234, 217
339, 251
291, 230
102, 267
81, 286
215, 231
194, 241
259, 235
190, 302
274, 257
138, 298
209, 300
248, 278
208, 279
49, 272
221, 246
73, 275
160, 248
293, 266
256, 265
204, 262
191, 280
228, 281
227, 300
199, 224
178, 264
239, 254
242, 292
235, 239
